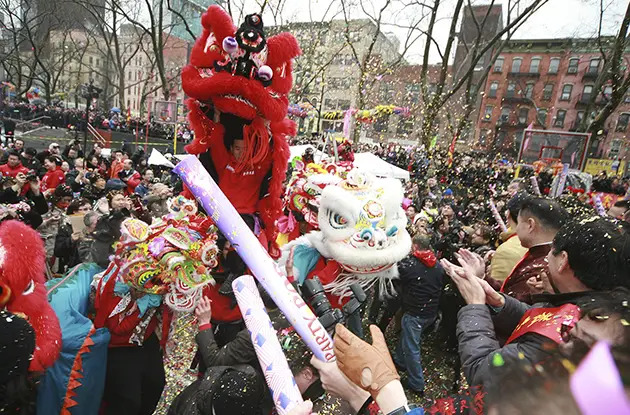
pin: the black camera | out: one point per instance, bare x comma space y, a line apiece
31, 176
313, 293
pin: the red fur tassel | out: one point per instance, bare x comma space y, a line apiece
256, 139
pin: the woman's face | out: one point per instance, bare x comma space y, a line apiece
65, 166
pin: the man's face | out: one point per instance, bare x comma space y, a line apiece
617, 212
524, 229
148, 176
19, 145
13, 161
54, 149
127, 164
238, 149
432, 182
72, 153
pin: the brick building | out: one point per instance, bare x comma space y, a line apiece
549, 83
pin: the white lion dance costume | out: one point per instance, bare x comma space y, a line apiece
360, 239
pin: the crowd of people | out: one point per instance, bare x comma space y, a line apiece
523, 305
58, 117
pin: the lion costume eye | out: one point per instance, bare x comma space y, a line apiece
29, 288
337, 221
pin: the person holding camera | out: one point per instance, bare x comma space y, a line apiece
55, 219
28, 208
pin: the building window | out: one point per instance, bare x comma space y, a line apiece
516, 64
573, 65
607, 91
615, 146
534, 65
560, 116
554, 64
498, 65
493, 90
541, 119
487, 115
523, 114
529, 90
586, 93
593, 66
413, 93
547, 92
510, 90
566, 92
405, 125
622, 122
578, 119
505, 115
480, 63
381, 124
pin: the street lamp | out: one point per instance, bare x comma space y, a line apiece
89, 92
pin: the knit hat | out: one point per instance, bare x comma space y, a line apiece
17, 344
63, 190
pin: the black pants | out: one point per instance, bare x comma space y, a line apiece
135, 379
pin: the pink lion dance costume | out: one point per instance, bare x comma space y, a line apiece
238, 81
22, 289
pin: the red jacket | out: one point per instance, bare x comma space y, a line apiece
52, 179
133, 181
241, 188
531, 265
8, 171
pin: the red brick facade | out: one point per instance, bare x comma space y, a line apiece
556, 76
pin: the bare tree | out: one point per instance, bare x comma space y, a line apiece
445, 91
368, 49
614, 74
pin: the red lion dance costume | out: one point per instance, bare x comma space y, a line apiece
22, 289
238, 82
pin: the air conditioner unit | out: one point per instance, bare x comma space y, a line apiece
572, 70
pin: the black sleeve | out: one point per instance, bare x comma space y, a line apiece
238, 351
39, 201
63, 242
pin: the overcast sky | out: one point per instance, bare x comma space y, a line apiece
557, 18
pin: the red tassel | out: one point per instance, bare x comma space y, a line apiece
257, 149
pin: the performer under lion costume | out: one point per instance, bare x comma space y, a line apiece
238, 81
360, 239
22, 290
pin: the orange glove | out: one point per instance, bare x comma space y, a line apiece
369, 366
